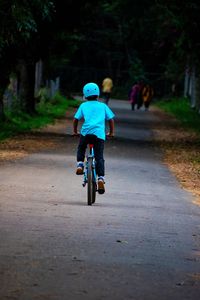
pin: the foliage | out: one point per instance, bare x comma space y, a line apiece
19, 19
178, 31
17, 122
121, 38
21, 28
136, 70
42, 95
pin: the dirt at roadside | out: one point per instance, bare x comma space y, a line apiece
181, 152
180, 147
24, 144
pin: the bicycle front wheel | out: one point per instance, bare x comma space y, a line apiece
91, 186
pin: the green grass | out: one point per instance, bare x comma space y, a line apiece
180, 108
19, 122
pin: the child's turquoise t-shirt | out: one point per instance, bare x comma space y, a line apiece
95, 114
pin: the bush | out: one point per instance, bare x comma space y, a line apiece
181, 109
47, 112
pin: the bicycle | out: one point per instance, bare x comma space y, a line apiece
89, 174
90, 177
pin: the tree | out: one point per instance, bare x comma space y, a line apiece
20, 23
177, 37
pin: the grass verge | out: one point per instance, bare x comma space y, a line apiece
180, 108
46, 113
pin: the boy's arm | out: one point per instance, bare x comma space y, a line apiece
75, 126
111, 127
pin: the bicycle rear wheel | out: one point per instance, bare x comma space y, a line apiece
91, 185
94, 187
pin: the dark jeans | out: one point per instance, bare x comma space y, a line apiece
146, 104
139, 102
133, 106
98, 151
106, 96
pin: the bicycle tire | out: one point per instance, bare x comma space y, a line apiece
94, 187
89, 182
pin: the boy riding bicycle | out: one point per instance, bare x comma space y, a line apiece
95, 114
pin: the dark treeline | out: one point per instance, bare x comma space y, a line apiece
79, 41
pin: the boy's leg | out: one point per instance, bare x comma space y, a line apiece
81, 155
98, 152
100, 168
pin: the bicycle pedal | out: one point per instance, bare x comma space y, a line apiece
84, 184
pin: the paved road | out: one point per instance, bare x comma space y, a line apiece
139, 241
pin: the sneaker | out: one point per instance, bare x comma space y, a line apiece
101, 188
80, 169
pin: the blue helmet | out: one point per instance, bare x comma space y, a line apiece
91, 89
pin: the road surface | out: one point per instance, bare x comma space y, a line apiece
139, 241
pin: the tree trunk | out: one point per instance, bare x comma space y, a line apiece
38, 76
3, 84
2, 115
186, 82
27, 86
193, 88
198, 94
